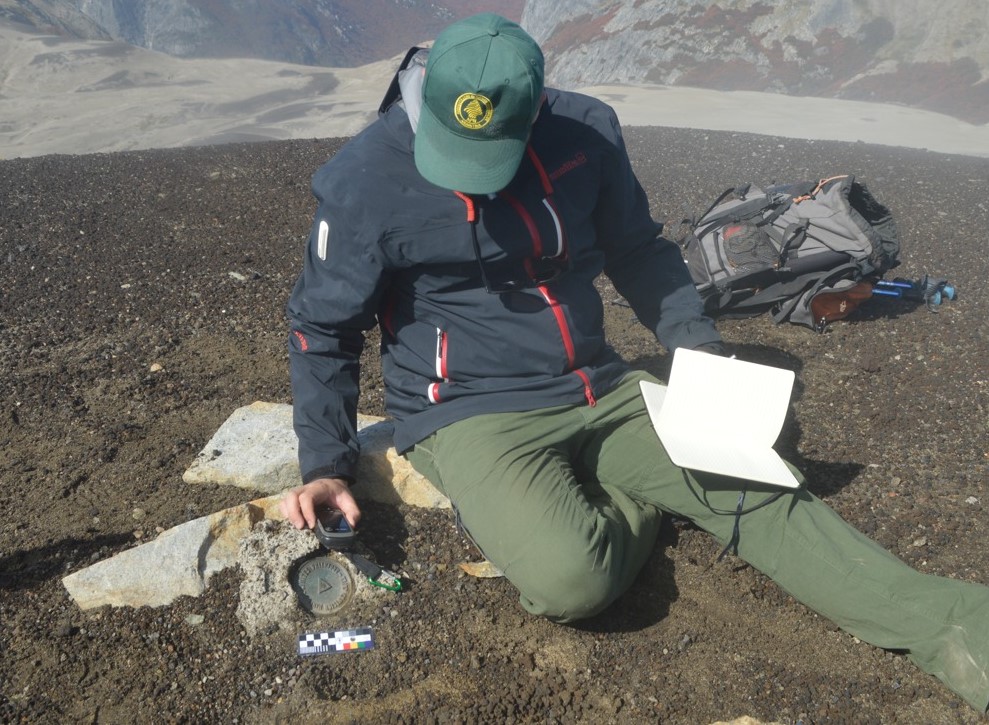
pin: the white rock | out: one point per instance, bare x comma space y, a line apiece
178, 562
256, 448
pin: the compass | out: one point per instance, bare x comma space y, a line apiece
323, 585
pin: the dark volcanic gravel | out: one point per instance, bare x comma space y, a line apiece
114, 265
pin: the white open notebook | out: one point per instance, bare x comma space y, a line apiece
722, 415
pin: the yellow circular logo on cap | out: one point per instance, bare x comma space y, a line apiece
473, 111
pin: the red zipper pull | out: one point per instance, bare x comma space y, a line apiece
588, 392
591, 400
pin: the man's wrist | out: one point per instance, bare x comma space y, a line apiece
330, 483
713, 348
327, 472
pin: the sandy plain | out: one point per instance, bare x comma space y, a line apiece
62, 96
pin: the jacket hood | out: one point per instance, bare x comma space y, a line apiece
405, 89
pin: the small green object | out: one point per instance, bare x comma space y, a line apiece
387, 580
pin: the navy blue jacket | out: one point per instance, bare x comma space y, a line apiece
388, 248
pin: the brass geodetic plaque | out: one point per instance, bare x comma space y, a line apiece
324, 586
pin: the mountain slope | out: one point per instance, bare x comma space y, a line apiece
340, 33
928, 55
60, 17
66, 96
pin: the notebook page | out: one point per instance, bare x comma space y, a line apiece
723, 416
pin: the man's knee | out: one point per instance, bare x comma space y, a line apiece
567, 596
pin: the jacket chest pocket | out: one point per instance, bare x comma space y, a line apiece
430, 244
495, 345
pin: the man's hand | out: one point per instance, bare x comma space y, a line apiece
299, 505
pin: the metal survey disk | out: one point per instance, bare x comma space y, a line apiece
323, 585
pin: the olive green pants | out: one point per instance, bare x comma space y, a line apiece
567, 501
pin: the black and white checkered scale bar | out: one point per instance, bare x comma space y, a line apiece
346, 640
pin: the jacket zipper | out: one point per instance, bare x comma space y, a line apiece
561, 323
442, 368
561, 320
588, 391
442, 339
441, 365
537, 249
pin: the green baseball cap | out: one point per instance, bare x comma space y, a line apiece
481, 93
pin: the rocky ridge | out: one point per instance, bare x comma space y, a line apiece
919, 54
341, 33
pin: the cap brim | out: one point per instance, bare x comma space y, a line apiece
471, 166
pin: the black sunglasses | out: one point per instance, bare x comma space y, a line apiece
505, 277
536, 270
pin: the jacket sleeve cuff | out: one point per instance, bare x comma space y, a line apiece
329, 472
690, 334
714, 348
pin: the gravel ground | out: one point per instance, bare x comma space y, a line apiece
142, 302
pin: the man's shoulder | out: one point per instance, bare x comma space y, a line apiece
592, 112
370, 158
576, 100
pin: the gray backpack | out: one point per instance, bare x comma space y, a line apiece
807, 253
